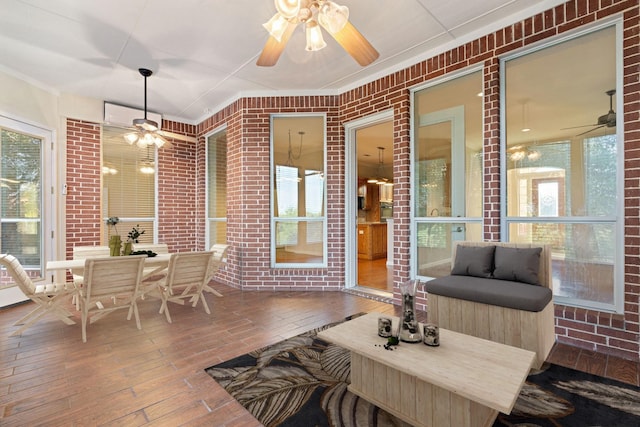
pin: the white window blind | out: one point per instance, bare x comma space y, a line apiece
21, 196
128, 187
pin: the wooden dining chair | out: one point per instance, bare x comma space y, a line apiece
84, 252
187, 275
152, 274
47, 296
218, 260
110, 284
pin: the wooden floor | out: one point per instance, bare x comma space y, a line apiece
126, 377
375, 274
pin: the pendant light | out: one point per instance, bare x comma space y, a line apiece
380, 179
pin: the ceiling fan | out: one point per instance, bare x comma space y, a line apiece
605, 120
146, 132
314, 14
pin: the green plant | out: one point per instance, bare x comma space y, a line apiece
134, 234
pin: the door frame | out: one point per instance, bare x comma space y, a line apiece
48, 213
351, 192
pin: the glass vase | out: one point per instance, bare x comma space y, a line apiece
409, 328
115, 243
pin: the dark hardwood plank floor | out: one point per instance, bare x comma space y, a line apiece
375, 274
155, 376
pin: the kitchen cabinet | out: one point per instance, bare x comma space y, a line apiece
372, 240
369, 194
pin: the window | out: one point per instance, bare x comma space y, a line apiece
21, 196
561, 160
217, 188
129, 186
447, 171
298, 191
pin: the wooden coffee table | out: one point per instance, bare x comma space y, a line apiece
465, 381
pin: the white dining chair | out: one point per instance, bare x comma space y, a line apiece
84, 252
47, 296
218, 260
187, 274
110, 284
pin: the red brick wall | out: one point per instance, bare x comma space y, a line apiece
248, 194
248, 121
182, 179
84, 178
180, 195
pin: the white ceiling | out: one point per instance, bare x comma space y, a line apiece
203, 53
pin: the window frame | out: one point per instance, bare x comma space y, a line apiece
618, 218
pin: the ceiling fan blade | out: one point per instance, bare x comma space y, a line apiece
590, 130
581, 126
355, 44
178, 136
273, 48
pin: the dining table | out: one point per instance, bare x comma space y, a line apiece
153, 265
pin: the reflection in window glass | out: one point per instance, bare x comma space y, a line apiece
287, 183
561, 159
434, 245
548, 198
217, 187
583, 261
447, 172
298, 191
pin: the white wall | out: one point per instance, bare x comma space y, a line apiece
42, 107
36, 105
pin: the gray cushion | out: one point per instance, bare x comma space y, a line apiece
474, 261
517, 264
503, 293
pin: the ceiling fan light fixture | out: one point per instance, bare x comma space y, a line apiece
146, 124
315, 41
332, 16
288, 8
131, 137
145, 140
276, 26
159, 141
146, 132
315, 14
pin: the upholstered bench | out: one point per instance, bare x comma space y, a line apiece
498, 291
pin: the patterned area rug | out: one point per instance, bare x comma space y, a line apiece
302, 381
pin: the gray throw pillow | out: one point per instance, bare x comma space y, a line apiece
474, 261
517, 264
